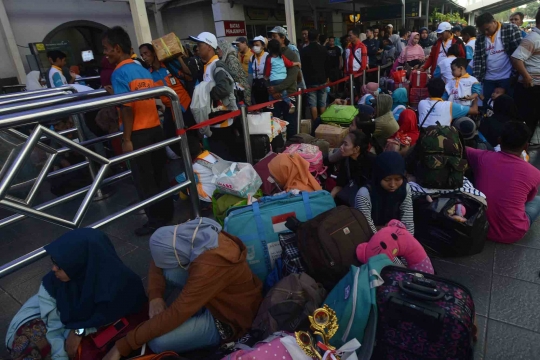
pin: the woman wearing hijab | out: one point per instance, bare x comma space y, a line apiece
369, 91
425, 41
413, 54
89, 287
291, 172
227, 54
388, 195
504, 110
201, 289
355, 167
400, 101
408, 125
385, 123
33, 81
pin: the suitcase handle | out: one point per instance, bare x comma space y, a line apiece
420, 292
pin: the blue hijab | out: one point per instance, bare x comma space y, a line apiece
101, 289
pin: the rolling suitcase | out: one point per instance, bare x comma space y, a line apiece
441, 235
419, 79
423, 316
268, 186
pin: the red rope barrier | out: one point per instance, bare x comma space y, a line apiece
209, 122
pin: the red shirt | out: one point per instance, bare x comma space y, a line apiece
508, 182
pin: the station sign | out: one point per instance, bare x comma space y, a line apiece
235, 28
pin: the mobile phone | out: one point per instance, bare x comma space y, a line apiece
102, 337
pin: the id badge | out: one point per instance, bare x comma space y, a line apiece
172, 79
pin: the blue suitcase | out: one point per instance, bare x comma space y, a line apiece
258, 225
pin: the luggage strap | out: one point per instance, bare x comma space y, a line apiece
429, 112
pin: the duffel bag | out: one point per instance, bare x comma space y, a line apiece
450, 225
259, 224
353, 300
311, 154
423, 316
328, 242
339, 114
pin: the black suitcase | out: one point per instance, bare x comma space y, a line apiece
423, 316
441, 235
260, 147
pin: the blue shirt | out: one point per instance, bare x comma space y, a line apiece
279, 71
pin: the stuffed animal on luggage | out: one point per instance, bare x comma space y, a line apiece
457, 212
394, 240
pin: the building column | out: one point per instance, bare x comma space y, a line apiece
230, 22
159, 21
289, 18
337, 24
12, 44
140, 21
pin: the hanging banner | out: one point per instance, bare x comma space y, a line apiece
234, 28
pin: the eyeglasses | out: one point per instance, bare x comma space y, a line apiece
55, 263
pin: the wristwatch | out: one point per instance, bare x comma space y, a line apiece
80, 332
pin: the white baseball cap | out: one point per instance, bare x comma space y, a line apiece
259, 38
390, 26
207, 38
444, 26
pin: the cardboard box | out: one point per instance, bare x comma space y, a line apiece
305, 126
168, 47
332, 133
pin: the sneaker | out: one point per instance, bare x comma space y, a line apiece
270, 107
144, 230
292, 108
293, 98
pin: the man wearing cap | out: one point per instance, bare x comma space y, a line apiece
222, 136
439, 51
494, 47
290, 83
244, 54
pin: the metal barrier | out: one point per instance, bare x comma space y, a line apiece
88, 78
51, 112
30, 96
300, 111
42, 91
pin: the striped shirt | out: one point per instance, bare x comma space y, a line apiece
528, 51
363, 204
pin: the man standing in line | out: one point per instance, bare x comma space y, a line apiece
305, 40
316, 67
356, 59
372, 46
439, 51
494, 47
526, 60
141, 128
244, 53
335, 60
517, 19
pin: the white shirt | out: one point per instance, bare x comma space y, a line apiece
446, 69
257, 64
442, 53
460, 88
529, 52
56, 78
442, 112
498, 66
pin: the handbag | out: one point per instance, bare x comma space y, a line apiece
260, 123
347, 194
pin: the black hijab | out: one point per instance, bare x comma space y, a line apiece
101, 289
427, 42
385, 205
504, 110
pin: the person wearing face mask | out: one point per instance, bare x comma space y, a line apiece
388, 195
355, 167
259, 92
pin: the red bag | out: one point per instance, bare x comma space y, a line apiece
268, 187
417, 94
419, 79
400, 75
89, 351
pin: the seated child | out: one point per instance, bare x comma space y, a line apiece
510, 184
496, 93
463, 88
275, 70
388, 195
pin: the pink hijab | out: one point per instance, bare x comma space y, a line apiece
412, 52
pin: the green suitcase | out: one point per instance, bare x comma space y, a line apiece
339, 114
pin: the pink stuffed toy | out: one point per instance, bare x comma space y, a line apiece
395, 240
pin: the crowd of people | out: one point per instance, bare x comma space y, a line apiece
484, 84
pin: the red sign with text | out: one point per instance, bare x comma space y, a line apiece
235, 28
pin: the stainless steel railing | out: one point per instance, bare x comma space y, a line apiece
41, 91
51, 112
88, 78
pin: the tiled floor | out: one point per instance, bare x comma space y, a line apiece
504, 279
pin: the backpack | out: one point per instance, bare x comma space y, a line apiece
328, 242
440, 158
301, 138
354, 301
288, 304
311, 154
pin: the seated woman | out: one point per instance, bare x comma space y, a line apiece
369, 91
362, 122
88, 287
400, 101
385, 123
201, 290
291, 172
387, 196
355, 167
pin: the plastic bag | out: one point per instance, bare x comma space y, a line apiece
238, 179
